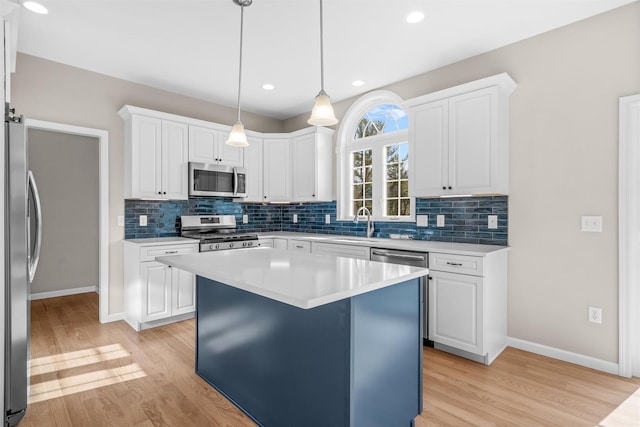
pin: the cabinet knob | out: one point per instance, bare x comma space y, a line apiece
449, 188
444, 188
164, 192
430, 278
265, 197
159, 192
313, 195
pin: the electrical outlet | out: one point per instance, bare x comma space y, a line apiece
591, 223
143, 220
440, 220
120, 220
295, 218
422, 220
492, 222
595, 315
327, 219
245, 219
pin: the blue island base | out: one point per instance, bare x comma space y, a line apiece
355, 362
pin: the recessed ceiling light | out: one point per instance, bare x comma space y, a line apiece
415, 17
268, 86
35, 7
357, 83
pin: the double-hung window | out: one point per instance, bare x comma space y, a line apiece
373, 159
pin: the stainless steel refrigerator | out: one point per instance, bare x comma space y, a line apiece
23, 233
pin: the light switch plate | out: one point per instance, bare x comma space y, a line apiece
143, 220
295, 218
592, 223
120, 220
492, 222
245, 219
422, 220
440, 220
327, 219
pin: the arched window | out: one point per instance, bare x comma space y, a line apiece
373, 154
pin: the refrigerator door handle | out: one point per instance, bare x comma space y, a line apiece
33, 261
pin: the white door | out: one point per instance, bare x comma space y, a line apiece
473, 142
183, 287
455, 311
146, 157
253, 164
202, 144
156, 291
303, 167
175, 165
429, 156
276, 171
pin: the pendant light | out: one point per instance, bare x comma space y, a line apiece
237, 137
322, 113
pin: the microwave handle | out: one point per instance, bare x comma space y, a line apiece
235, 180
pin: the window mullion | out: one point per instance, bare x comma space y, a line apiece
378, 181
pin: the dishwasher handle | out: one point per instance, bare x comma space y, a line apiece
398, 255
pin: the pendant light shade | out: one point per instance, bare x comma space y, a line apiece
237, 136
322, 113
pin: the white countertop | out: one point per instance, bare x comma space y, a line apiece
156, 241
409, 245
301, 280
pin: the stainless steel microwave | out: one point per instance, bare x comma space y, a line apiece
217, 180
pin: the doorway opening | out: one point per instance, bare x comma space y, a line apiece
75, 144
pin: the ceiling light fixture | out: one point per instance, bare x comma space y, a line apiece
357, 83
237, 136
415, 17
268, 86
322, 112
35, 7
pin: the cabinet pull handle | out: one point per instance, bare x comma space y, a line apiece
457, 264
171, 252
299, 247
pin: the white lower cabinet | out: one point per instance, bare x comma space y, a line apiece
300, 246
155, 293
468, 304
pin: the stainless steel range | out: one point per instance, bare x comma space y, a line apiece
216, 232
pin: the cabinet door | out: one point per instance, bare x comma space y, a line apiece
253, 164
228, 154
303, 168
183, 289
276, 170
146, 157
156, 291
428, 141
473, 142
175, 165
456, 311
202, 145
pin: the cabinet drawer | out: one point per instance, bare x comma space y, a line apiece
150, 253
300, 246
463, 264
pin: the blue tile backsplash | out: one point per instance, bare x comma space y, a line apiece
465, 218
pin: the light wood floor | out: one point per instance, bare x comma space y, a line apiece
87, 374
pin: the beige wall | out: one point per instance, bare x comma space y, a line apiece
66, 171
563, 164
51, 91
563, 142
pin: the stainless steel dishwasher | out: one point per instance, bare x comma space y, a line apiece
416, 259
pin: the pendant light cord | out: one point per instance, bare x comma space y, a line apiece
321, 51
240, 67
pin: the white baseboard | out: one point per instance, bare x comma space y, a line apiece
63, 293
114, 317
566, 356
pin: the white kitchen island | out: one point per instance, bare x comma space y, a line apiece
298, 339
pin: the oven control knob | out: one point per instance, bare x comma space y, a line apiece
249, 243
244, 244
230, 245
210, 247
217, 245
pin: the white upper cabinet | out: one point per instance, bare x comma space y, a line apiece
207, 145
156, 157
458, 139
311, 165
253, 165
276, 170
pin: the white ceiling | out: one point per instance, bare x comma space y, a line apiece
191, 46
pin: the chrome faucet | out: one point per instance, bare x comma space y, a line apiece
367, 212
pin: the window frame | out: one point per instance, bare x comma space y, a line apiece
345, 144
